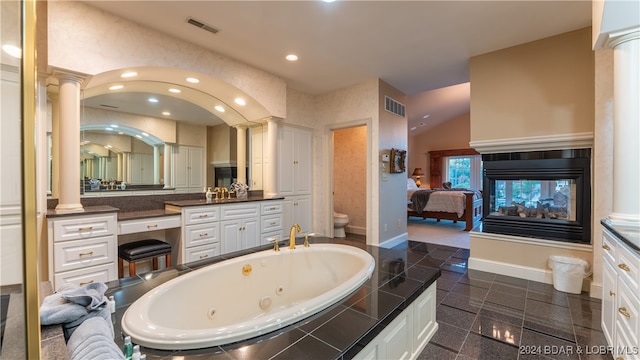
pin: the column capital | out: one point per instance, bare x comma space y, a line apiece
616, 38
67, 75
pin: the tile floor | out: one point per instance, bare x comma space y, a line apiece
493, 316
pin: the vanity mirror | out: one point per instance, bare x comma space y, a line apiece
125, 133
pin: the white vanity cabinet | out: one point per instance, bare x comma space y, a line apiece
240, 226
620, 298
83, 248
271, 221
200, 232
188, 168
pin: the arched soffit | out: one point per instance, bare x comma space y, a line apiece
206, 93
147, 138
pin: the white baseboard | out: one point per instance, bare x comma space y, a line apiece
394, 241
595, 290
358, 230
519, 271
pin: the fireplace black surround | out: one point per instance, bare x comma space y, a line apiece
538, 194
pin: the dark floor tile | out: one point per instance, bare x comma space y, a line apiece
449, 337
462, 254
470, 291
498, 330
508, 289
587, 320
455, 265
446, 284
542, 287
555, 298
463, 302
308, 348
440, 295
481, 275
456, 317
513, 281
339, 331
265, 346
543, 310
499, 314
442, 254
514, 302
430, 262
590, 337
550, 328
480, 347
545, 345
432, 351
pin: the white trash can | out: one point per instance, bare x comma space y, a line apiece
568, 273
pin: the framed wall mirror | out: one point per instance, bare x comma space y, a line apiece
398, 160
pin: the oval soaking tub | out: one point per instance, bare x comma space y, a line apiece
247, 296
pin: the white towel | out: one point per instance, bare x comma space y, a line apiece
92, 340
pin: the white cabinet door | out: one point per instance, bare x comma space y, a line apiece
302, 162
231, 236
250, 233
286, 152
188, 167
609, 288
297, 210
196, 168
294, 161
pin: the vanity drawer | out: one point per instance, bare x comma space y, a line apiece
78, 254
84, 227
271, 223
608, 247
627, 313
271, 207
201, 214
233, 212
202, 252
100, 273
201, 234
628, 267
151, 224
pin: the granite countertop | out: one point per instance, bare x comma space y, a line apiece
338, 332
631, 238
88, 210
198, 202
143, 214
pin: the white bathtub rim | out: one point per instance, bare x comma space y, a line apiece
159, 338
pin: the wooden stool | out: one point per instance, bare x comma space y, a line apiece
141, 250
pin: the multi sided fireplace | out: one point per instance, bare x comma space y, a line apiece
539, 194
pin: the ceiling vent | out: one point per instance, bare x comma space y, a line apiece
202, 25
393, 106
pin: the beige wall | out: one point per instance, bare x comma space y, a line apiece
452, 134
545, 87
350, 176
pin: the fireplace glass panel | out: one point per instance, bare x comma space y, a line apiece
541, 199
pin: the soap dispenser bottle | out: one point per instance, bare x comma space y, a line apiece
136, 353
209, 194
127, 348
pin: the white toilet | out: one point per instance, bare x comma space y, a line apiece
339, 222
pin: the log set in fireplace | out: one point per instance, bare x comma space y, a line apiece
539, 194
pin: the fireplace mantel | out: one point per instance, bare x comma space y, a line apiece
534, 143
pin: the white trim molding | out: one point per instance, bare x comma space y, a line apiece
533, 241
534, 143
394, 241
518, 271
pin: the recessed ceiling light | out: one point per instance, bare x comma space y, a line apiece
175, 91
113, 125
13, 51
108, 129
193, 80
153, 100
219, 108
292, 57
128, 74
138, 136
240, 101
145, 134
328, 1
426, 116
120, 133
116, 87
107, 146
421, 124
166, 113
413, 128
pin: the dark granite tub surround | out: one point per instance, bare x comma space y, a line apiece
338, 332
631, 238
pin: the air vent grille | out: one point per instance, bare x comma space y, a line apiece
202, 25
393, 106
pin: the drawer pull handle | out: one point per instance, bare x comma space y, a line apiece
273, 223
86, 254
272, 208
204, 234
623, 311
611, 293
624, 267
154, 226
88, 228
606, 247
204, 256
86, 282
204, 216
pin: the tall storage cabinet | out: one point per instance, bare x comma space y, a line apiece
294, 176
189, 168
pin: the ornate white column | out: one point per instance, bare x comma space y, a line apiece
156, 164
613, 30
168, 155
241, 153
69, 141
126, 168
271, 159
55, 146
119, 167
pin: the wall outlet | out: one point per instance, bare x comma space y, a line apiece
399, 223
385, 227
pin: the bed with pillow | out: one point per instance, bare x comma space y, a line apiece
454, 204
